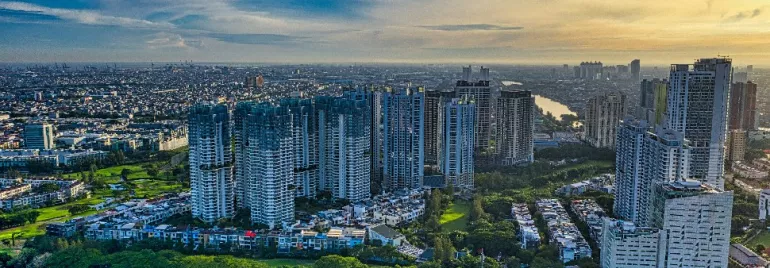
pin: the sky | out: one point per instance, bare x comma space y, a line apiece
385, 31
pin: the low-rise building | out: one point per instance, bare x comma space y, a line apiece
747, 258
562, 232
528, 235
746, 171
592, 215
14, 190
386, 235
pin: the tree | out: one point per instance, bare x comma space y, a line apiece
124, 173
48, 188
78, 208
337, 261
759, 248
153, 172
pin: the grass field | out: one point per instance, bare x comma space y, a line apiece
289, 262
762, 238
456, 216
146, 187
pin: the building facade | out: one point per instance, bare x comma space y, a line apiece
743, 106
698, 96
211, 163
603, 114
696, 218
403, 139
39, 136
624, 245
652, 101
305, 145
270, 165
456, 137
643, 159
344, 152
515, 128
480, 92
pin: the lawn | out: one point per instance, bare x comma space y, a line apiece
456, 216
762, 238
146, 186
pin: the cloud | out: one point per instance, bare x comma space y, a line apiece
471, 27
257, 39
81, 16
745, 15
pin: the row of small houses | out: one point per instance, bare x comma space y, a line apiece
285, 241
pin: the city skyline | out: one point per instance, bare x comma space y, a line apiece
546, 32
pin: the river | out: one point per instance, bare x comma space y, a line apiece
555, 108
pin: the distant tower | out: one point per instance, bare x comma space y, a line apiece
603, 114
698, 100
636, 69
652, 101
211, 164
466, 74
743, 106
260, 81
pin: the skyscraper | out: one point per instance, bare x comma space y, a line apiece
643, 159
241, 143
625, 245
211, 164
373, 98
270, 163
433, 98
480, 92
591, 70
603, 114
39, 136
455, 144
736, 145
652, 101
403, 138
636, 69
743, 106
698, 96
515, 128
345, 154
305, 145
696, 218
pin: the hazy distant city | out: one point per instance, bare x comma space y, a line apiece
384, 134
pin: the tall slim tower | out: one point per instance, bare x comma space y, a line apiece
743, 106
698, 98
373, 98
652, 101
455, 143
480, 92
305, 145
603, 115
433, 99
39, 136
515, 128
240, 142
643, 159
636, 69
211, 164
345, 153
271, 164
403, 139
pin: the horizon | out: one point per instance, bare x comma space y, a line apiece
551, 32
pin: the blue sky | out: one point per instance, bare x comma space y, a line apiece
413, 31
